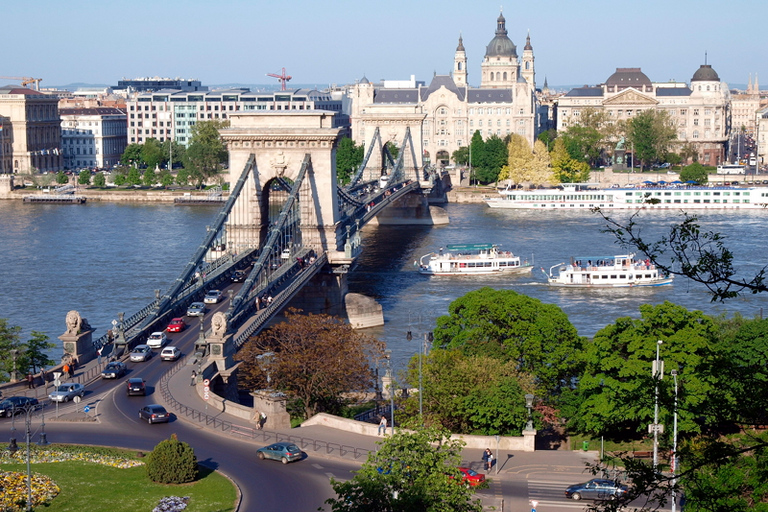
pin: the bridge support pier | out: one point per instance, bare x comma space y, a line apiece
413, 209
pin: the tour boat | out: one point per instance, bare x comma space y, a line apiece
647, 196
471, 259
607, 272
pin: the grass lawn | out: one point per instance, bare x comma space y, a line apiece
93, 486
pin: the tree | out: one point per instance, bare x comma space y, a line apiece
134, 177
469, 394
694, 172
461, 156
525, 164
120, 178
84, 178
152, 153
9, 340
548, 138
565, 168
503, 324
206, 152
172, 462
315, 359
62, 178
99, 180
165, 177
689, 152
182, 177
411, 472
394, 151
477, 151
132, 155
651, 132
349, 156
616, 390
583, 143
172, 152
149, 177
34, 355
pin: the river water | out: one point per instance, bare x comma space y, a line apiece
102, 258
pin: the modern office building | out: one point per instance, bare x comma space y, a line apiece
700, 110
157, 83
443, 115
34, 128
92, 138
170, 114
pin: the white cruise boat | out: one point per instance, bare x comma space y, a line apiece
471, 260
622, 271
583, 196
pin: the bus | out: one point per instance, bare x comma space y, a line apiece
730, 169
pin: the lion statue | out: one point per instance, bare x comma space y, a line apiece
219, 325
74, 322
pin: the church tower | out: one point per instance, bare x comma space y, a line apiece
500, 67
460, 65
528, 70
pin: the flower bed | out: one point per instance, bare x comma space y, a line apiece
14, 494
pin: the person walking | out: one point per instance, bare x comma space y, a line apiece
65, 369
194, 378
30, 381
383, 425
488, 459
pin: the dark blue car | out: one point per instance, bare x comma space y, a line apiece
596, 489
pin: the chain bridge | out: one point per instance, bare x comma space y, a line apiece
287, 224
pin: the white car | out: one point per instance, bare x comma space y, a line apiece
212, 297
157, 340
170, 354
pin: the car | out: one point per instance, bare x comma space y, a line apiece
212, 297
136, 386
66, 392
471, 477
284, 452
141, 353
596, 489
154, 413
238, 276
176, 325
196, 309
16, 404
113, 370
157, 340
170, 353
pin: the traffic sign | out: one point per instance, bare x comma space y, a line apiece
77, 399
206, 382
87, 408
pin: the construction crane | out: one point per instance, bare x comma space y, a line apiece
283, 79
25, 80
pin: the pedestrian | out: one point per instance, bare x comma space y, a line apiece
98, 355
262, 419
488, 459
43, 377
194, 378
30, 381
65, 369
383, 424
72, 366
258, 420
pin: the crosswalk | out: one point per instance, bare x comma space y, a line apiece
549, 495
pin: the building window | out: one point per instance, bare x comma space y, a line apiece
695, 134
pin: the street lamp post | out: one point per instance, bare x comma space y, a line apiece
675, 460
529, 406
13, 447
658, 373
14, 354
388, 359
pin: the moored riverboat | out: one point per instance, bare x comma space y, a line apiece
471, 259
621, 271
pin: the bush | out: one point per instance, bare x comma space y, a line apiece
172, 462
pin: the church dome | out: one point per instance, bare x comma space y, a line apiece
501, 45
705, 73
628, 77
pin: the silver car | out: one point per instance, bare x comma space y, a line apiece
66, 392
141, 353
196, 309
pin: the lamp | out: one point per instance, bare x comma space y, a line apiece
529, 405
658, 373
675, 460
388, 359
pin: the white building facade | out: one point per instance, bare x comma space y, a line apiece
93, 138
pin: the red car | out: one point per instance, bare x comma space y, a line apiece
471, 477
176, 325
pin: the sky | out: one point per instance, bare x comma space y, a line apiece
575, 42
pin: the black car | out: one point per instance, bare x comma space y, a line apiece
136, 386
238, 276
113, 370
16, 404
596, 489
154, 414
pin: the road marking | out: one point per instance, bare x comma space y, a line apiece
318, 466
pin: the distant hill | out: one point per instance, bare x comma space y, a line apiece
253, 87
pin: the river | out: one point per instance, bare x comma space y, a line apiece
102, 258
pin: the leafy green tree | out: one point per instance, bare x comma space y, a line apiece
173, 152
152, 153
172, 462
9, 340
149, 177
616, 388
182, 177
393, 150
477, 151
206, 152
674, 159
62, 178
469, 394
689, 152
99, 180
694, 172
410, 472
132, 155
651, 132
583, 143
34, 356
461, 156
84, 178
166, 178
120, 179
134, 177
503, 324
349, 156
548, 137
315, 359
565, 168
